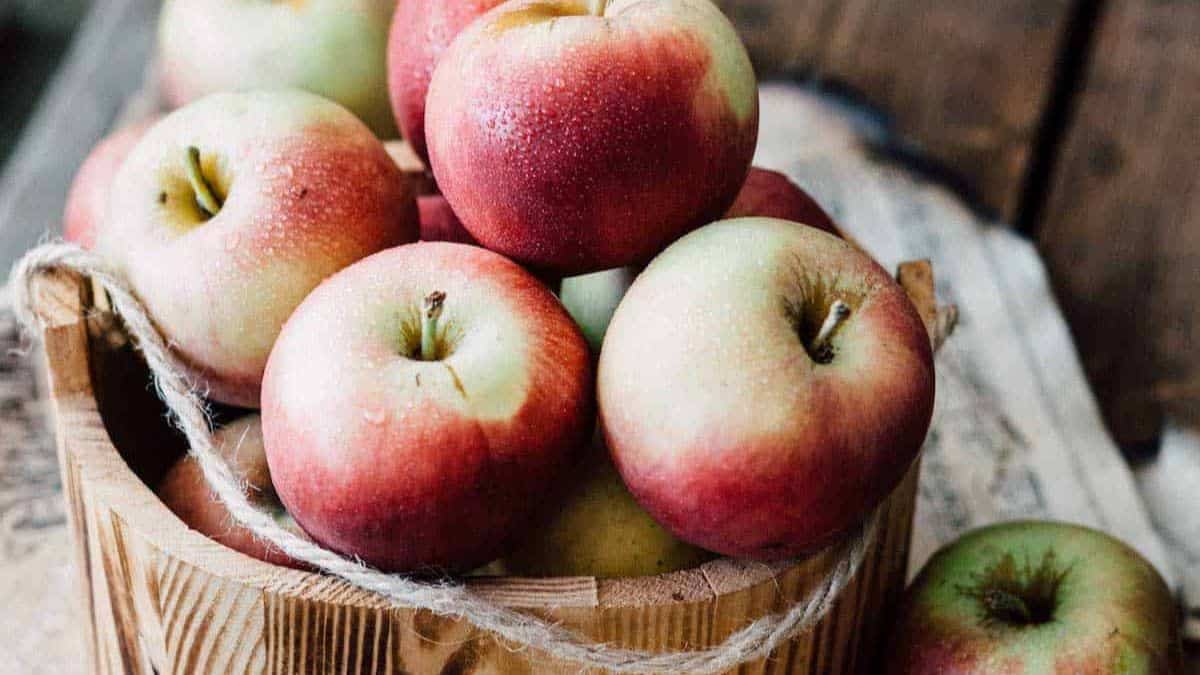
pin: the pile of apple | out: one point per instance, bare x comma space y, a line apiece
646, 353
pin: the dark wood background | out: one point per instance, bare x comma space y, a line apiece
1077, 121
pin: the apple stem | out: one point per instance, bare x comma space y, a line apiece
431, 311
597, 7
205, 196
838, 313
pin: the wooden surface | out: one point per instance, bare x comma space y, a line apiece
162, 598
1121, 228
967, 81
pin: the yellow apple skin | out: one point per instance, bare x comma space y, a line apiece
601, 531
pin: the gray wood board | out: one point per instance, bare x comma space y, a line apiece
104, 67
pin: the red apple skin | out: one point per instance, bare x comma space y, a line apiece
309, 191
186, 492
87, 201
770, 194
1114, 613
418, 465
421, 31
594, 144
439, 223
724, 428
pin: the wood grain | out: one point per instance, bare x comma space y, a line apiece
965, 81
163, 598
1121, 227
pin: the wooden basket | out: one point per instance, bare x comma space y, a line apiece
161, 598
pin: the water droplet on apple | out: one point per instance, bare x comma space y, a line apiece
232, 241
374, 416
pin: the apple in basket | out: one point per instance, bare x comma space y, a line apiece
231, 209
87, 202
186, 492
420, 405
421, 31
600, 531
763, 386
1034, 598
770, 194
578, 136
330, 47
592, 298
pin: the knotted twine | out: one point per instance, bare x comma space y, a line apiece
445, 598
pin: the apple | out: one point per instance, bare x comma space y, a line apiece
592, 299
770, 194
335, 48
421, 31
763, 386
231, 209
439, 222
186, 492
600, 531
1033, 598
87, 201
579, 136
421, 404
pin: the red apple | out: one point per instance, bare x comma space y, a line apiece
419, 406
186, 492
334, 48
421, 31
1034, 598
576, 137
87, 202
439, 223
770, 194
230, 210
763, 386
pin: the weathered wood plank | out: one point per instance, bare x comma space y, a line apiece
1121, 227
103, 68
966, 81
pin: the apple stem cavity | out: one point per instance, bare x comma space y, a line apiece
597, 7
431, 311
822, 351
205, 197
1007, 607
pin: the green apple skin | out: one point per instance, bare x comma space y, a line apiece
592, 299
726, 424
601, 531
186, 492
307, 189
334, 48
1108, 611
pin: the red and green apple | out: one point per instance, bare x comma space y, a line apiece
1036, 598
231, 209
334, 48
421, 405
763, 386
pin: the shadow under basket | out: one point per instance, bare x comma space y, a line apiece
161, 598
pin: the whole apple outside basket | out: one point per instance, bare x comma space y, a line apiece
161, 598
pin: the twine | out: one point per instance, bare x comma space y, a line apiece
445, 598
